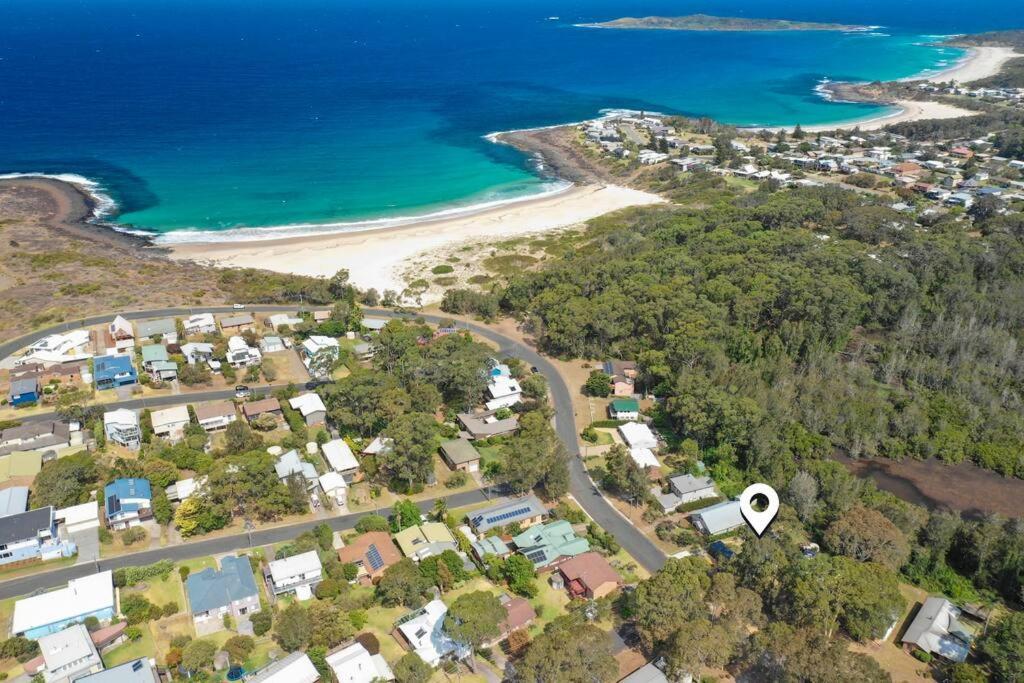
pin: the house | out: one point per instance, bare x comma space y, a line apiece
62, 375
355, 664
637, 435
426, 540
341, 459
200, 323
25, 391
121, 426
291, 463
47, 435
374, 325
294, 668
153, 353
271, 344
127, 502
718, 519
624, 409
460, 455
424, 631
504, 391
487, 424
279, 320
297, 574
319, 347
230, 590
490, 545
68, 654
236, 324
519, 614
525, 512
55, 349
648, 673
110, 372
184, 488
213, 417
686, 488
937, 630
266, 406
334, 487
241, 355
164, 329
136, 671
170, 423
195, 352
79, 517
31, 537
364, 350
120, 335
13, 501
546, 544
589, 576
646, 460
312, 408
90, 596
372, 553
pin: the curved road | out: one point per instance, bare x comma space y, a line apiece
581, 486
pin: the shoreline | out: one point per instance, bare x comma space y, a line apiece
376, 258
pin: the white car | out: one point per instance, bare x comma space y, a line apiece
238, 307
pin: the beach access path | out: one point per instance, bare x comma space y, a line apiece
581, 486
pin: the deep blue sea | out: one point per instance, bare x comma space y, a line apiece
229, 114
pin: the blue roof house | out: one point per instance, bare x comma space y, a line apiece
127, 502
114, 371
24, 391
212, 594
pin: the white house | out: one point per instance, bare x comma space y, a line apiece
686, 488
170, 423
241, 355
504, 392
316, 345
311, 406
195, 352
335, 486
79, 517
424, 632
297, 574
936, 629
294, 668
216, 416
638, 435
68, 655
59, 348
121, 426
121, 334
718, 519
184, 488
90, 596
200, 323
355, 664
644, 457
341, 459
279, 320
271, 344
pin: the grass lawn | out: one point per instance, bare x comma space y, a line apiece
490, 454
162, 591
143, 647
198, 564
549, 604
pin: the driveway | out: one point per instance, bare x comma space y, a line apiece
88, 542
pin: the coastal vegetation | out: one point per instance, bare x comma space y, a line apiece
708, 22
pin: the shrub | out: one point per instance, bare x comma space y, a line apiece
456, 480
183, 572
372, 523
442, 269
134, 535
261, 622
923, 656
170, 609
133, 633
589, 434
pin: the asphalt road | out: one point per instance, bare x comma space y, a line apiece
581, 486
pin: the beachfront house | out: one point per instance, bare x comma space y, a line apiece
279, 320
298, 574
319, 353
127, 502
110, 372
90, 596
236, 324
119, 335
200, 323
170, 423
27, 537
213, 593
121, 426
55, 349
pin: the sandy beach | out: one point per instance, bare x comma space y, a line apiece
980, 62
379, 258
908, 110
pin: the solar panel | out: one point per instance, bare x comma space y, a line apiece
508, 515
373, 555
535, 556
113, 504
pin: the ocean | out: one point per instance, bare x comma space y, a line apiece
236, 118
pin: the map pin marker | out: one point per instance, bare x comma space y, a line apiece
759, 520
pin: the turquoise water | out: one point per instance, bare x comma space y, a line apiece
225, 114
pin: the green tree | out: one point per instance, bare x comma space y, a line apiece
866, 535
411, 456
1003, 648
669, 599
568, 652
198, 655
404, 514
402, 584
598, 384
293, 628
239, 438
411, 669
239, 648
372, 523
519, 574
473, 620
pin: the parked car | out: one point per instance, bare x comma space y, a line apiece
238, 307
242, 391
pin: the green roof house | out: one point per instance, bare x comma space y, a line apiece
545, 544
624, 409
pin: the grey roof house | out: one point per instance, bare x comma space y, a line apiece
165, 327
525, 511
231, 590
937, 629
136, 671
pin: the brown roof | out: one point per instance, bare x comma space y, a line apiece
381, 540
267, 405
519, 614
590, 569
218, 409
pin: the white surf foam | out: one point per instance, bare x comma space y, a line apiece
103, 204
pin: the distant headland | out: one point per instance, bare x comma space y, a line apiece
707, 22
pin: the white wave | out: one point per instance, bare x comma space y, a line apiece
304, 229
103, 204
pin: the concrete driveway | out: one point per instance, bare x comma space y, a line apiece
88, 542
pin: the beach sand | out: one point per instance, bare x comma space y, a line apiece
980, 62
908, 110
380, 258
